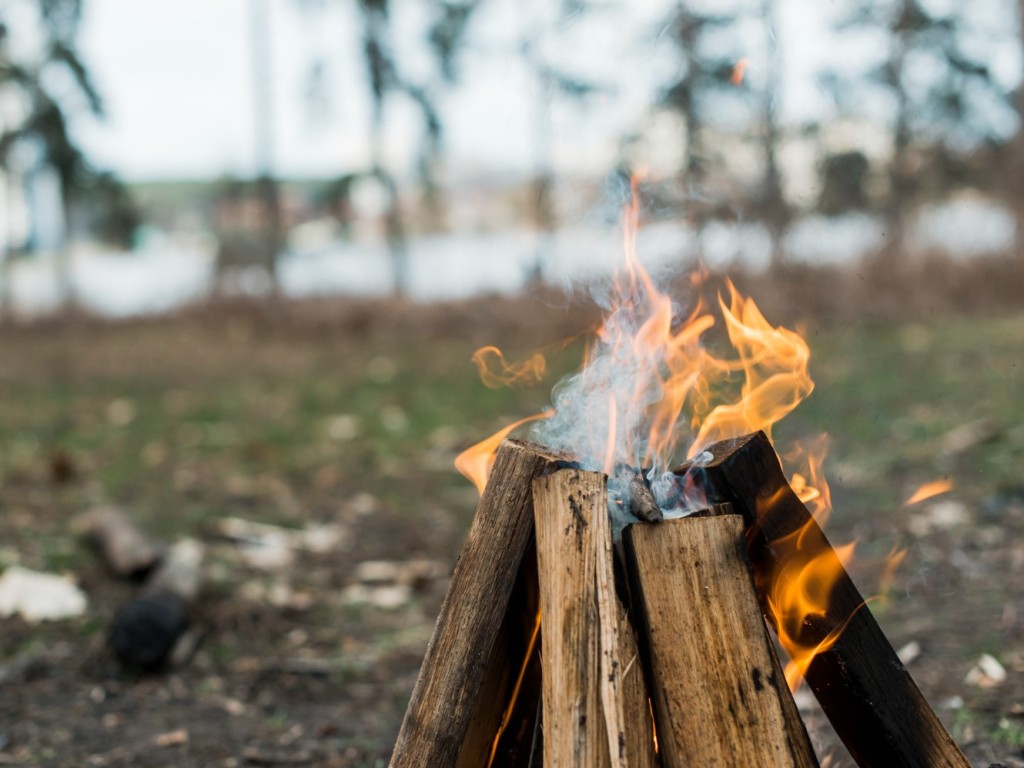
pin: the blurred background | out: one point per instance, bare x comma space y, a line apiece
248, 249
152, 155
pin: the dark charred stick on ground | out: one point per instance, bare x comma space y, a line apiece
147, 629
864, 689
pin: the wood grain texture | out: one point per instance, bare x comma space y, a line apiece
637, 743
461, 649
568, 509
718, 691
866, 692
582, 616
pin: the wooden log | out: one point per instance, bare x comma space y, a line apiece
504, 723
718, 691
467, 630
147, 628
595, 704
126, 550
625, 699
636, 718
567, 506
866, 692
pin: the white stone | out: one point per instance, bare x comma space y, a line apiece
39, 596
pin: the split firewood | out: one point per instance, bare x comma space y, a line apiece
594, 699
448, 721
504, 730
147, 629
718, 690
567, 507
127, 551
862, 686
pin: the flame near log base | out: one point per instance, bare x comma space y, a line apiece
477, 701
862, 686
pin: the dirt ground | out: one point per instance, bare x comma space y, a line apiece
338, 421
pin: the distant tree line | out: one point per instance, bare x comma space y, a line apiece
37, 93
929, 85
930, 89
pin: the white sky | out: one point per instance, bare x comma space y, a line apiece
176, 76
177, 81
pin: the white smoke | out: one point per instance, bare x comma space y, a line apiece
602, 413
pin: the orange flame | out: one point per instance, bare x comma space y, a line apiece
476, 461
928, 490
798, 595
739, 71
676, 373
650, 389
496, 372
810, 484
774, 363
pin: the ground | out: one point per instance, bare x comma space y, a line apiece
347, 415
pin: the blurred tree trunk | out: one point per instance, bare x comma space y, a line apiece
776, 211
542, 186
267, 188
901, 175
1017, 185
428, 162
684, 100
543, 192
382, 79
66, 296
394, 223
6, 251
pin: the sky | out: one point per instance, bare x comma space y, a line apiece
178, 84
177, 80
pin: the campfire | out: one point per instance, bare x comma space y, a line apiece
614, 601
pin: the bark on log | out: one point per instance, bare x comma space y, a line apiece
594, 701
465, 636
866, 692
718, 691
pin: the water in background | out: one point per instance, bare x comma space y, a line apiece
169, 272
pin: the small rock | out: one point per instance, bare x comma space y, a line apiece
940, 516
171, 738
419, 573
233, 707
344, 427
986, 673
377, 572
39, 596
909, 652
120, 412
381, 596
